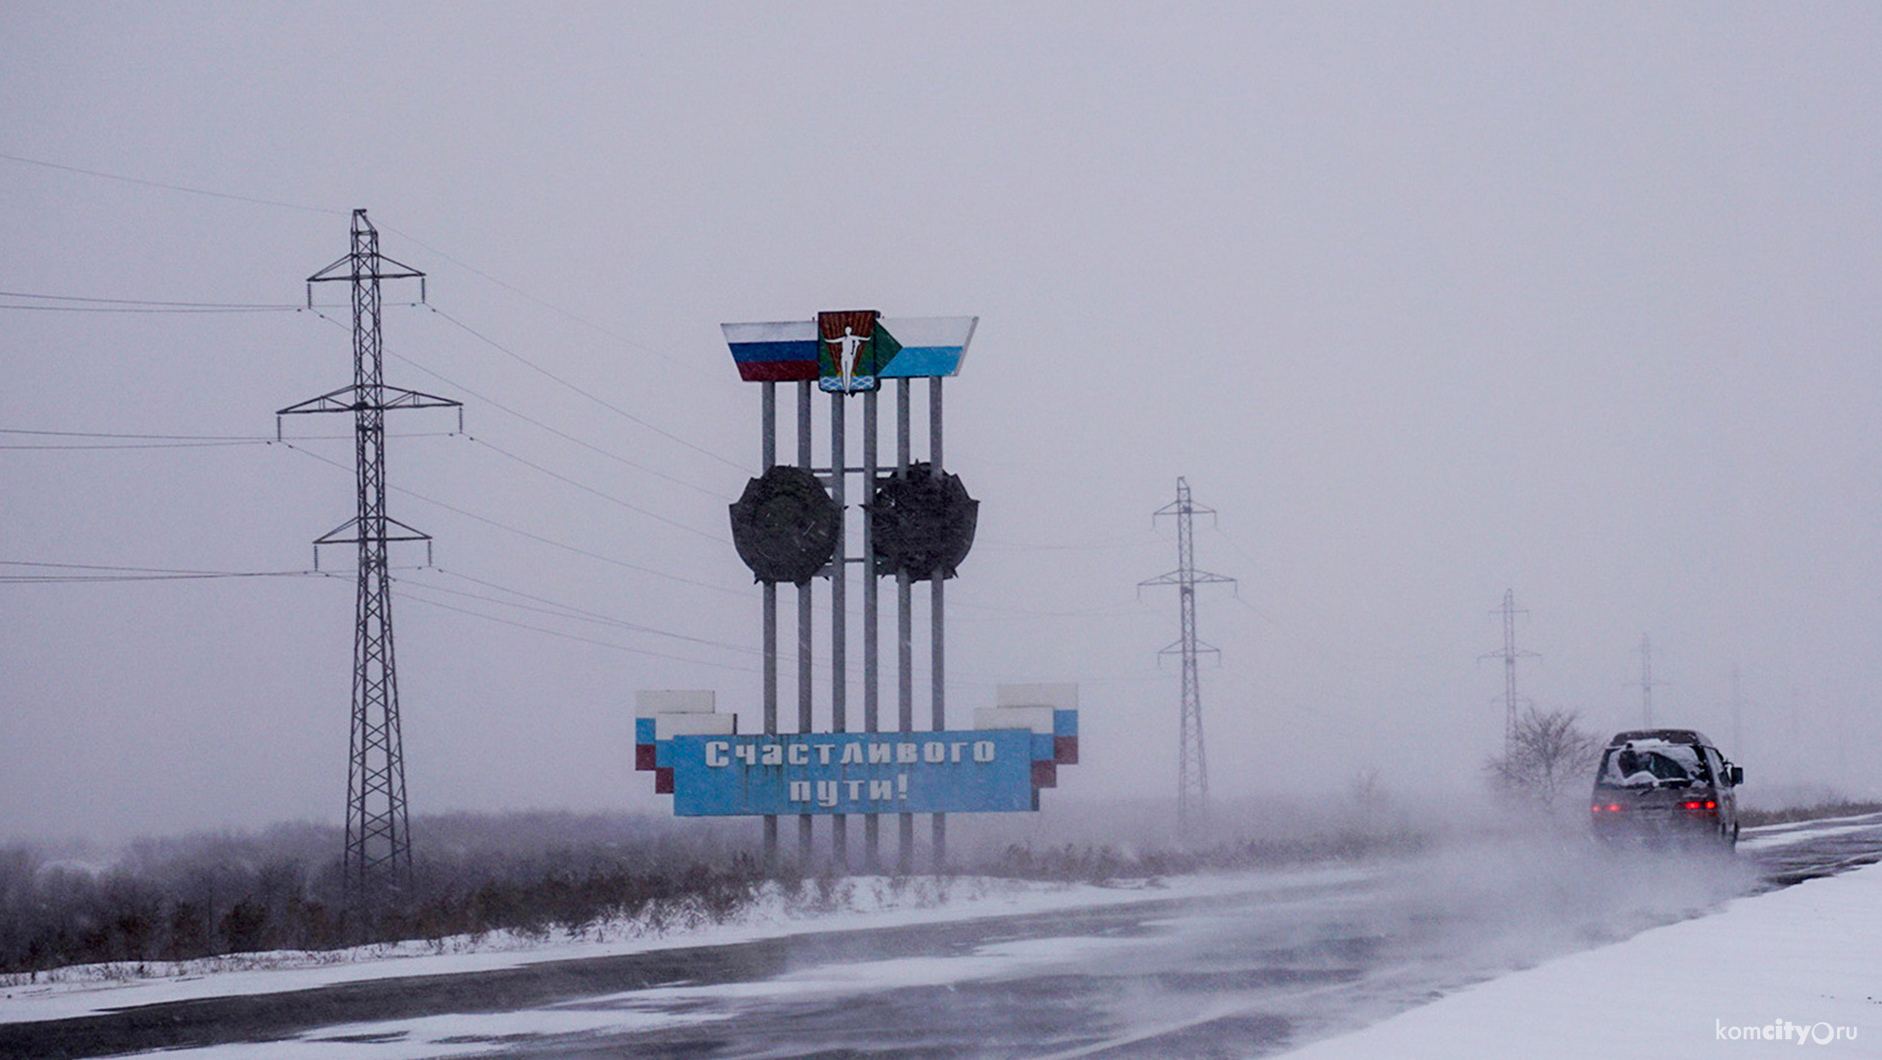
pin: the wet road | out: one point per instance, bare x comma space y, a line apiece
1293, 957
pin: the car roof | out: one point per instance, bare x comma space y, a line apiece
1687, 736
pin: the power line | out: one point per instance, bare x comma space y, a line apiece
95, 572
604, 496
109, 567
406, 595
1133, 540
138, 306
119, 441
100, 304
148, 301
144, 437
603, 402
558, 432
137, 445
569, 611
150, 309
168, 187
56, 579
558, 608
85, 304
561, 610
1117, 608
532, 536
187, 189
519, 292
564, 435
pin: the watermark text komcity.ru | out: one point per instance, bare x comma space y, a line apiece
1783, 1031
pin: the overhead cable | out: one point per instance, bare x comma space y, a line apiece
169, 187
133, 445
604, 496
532, 536
406, 595
69, 303
564, 435
95, 572
520, 293
603, 402
575, 614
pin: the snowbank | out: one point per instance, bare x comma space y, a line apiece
1800, 966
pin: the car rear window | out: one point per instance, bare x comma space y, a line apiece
1645, 763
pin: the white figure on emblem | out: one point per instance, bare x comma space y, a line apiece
851, 343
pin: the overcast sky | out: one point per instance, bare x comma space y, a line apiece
1427, 301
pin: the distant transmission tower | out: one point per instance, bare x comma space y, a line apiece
1738, 710
1646, 682
1511, 701
1192, 776
378, 840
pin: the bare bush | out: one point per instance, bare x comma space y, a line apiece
192, 897
1549, 754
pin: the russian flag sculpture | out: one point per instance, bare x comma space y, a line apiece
847, 352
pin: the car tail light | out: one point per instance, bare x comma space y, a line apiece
1612, 807
1708, 806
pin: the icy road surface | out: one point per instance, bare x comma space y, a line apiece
1242, 967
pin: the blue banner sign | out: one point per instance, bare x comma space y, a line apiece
962, 771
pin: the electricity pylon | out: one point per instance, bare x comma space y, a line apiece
1646, 682
378, 859
1192, 774
1511, 701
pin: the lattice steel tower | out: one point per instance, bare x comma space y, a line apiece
1192, 773
1646, 682
378, 858
1511, 701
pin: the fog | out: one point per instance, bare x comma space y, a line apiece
1427, 303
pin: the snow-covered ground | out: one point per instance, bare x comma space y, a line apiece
1797, 967
855, 903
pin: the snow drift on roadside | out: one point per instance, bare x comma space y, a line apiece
847, 904
1802, 960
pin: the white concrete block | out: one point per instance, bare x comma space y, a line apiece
1058, 697
675, 701
667, 726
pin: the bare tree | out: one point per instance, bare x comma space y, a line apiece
1368, 791
1549, 752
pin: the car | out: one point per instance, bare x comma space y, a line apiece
1664, 787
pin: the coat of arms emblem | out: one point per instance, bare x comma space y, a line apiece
846, 351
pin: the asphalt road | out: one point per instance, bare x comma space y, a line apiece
1300, 956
